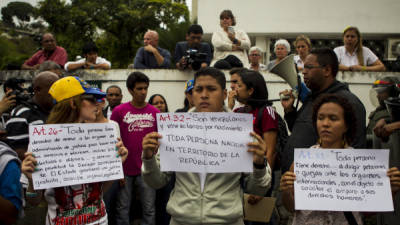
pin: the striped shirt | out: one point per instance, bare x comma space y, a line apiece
17, 127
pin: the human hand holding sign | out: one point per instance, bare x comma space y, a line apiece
150, 144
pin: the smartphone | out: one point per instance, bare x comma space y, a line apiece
231, 30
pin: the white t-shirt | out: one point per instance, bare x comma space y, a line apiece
99, 60
347, 59
298, 61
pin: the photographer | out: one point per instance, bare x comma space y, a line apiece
193, 53
30, 111
14, 93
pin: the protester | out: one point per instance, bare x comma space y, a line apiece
151, 56
33, 111
220, 201
335, 122
385, 87
389, 130
188, 103
111, 194
353, 56
114, 98
10, 187
76, 103
253, 93
281, 49
135, 118
320, 69
193, 53
303, 48
159, 102
232, 103
50, 51
90, 61
255, 58
231, 44
162, 194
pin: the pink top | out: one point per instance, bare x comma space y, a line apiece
134, 124
59, 56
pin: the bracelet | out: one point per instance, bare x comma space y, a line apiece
235, 41
91, 67
363, 68
31, 194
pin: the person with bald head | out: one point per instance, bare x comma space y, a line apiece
34, 111
151, 56
50, 51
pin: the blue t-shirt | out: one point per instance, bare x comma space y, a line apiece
10, 186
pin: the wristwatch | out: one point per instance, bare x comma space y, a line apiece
262, 166
235, 41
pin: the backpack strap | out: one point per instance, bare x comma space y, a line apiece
350, 218
259, 117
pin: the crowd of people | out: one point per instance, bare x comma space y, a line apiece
330, 116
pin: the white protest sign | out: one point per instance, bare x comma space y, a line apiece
69, 154
342, 180
205, 142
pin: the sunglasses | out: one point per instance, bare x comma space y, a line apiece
89, 98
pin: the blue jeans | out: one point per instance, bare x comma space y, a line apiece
147, 199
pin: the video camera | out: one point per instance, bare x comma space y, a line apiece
194, 58
21, 94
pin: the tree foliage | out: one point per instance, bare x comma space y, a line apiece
21, 10
117, 26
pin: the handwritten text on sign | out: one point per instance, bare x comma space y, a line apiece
69, 154
205, 142
342, 180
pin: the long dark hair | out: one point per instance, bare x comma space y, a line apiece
151, 99
259, 97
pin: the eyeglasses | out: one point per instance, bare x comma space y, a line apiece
310, 67
254, 55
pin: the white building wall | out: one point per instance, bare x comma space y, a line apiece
322, 17
171, 83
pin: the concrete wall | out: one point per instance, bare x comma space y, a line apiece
171, 83
308, 16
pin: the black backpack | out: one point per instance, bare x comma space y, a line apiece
282, 135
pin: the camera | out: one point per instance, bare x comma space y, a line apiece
194, 58
21, 95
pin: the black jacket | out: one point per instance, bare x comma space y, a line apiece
303, 134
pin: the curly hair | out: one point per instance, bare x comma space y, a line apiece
349, 114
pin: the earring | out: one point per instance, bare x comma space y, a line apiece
319, 141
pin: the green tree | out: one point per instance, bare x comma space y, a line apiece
117, 26
21, 10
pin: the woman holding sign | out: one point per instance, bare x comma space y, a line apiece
76, 204
334, 120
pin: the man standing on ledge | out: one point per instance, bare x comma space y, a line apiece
151, 56
50, 51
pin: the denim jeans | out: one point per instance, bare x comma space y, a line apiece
147, 199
